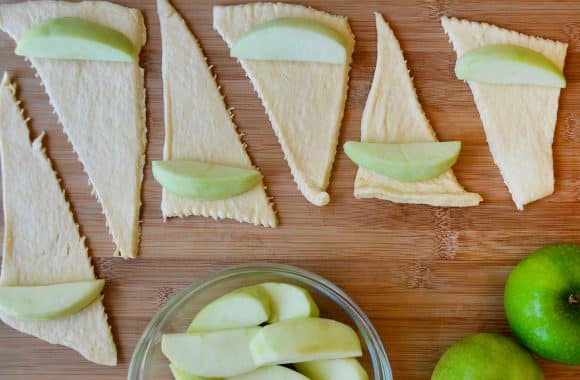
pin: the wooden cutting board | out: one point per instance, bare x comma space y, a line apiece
425, 276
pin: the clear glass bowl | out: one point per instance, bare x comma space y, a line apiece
148, 363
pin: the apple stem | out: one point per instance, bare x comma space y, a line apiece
574, 299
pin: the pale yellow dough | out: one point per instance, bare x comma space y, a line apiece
101, 106
304, 100
198, 126
519, 121
394, 115
42, 244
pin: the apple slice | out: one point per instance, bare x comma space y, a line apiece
292, 39
49, 301
75, 38
179, 374
336, 369
246, 307
509, 64
289, 302
211, 354
405, 162
302, 340
202, 181
271, 373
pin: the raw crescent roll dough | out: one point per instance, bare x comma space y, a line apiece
198, 126
304, 100
519, 121
101, 106
393, 114
42, 244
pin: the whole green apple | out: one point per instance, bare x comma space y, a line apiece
486, 357
542, 302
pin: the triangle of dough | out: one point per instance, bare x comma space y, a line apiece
394, 115
198, 126
304, 100
519, 121
42, 244
101, 106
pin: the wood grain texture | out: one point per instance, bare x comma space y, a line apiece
425, 276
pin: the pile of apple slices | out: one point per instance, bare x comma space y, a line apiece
250, 333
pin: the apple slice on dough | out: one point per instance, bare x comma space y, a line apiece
410, 162
202, 181
509, 64
246, 307
75, 38
49, 301
337, 369
304, 339
211, 354
289, 302
292, 39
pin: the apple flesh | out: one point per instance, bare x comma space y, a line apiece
292, 39
203, 181
304, 339
509, 64
77, 39
246, 307
49, 301
211, 354
271, 373
405, 162
179, 374
337, 369
542, 302
289, 302
486, 356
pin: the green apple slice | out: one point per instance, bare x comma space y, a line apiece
302, 340
289, 302
337, 369
271, 373
49, 301
405, 162
246, 307
179, 374
211, 354
509, 64
202, 181
78, 39
292, 39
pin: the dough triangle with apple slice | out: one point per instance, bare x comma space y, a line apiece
42, 244
394, 115
101, 106
198, 126
304, 100
519, 120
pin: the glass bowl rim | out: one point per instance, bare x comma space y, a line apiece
371, 338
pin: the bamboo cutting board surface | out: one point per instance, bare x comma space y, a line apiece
425, 276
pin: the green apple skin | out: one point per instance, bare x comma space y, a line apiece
270, 373
49, 302
76, 39
289, 302
486, 357
292, 39
302, 340
542, 302
222, 353
203, 181
245, 307
405, 162
337, 369
509, 64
